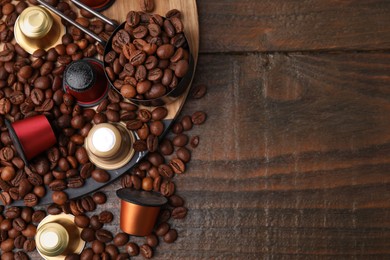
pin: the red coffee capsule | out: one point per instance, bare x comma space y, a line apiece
85, 80
98, 5
31, 136
139, 210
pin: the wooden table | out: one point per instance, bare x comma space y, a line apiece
294, 160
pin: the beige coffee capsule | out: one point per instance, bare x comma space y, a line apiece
110, 146
38, 28
57, 236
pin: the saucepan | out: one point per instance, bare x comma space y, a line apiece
170, 96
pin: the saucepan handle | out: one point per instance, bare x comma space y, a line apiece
75, 24
97, 14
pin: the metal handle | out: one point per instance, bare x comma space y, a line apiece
97, 14
78, 26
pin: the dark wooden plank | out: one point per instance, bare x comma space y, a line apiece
291, 25
293, 161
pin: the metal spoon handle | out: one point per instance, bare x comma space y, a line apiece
97, 14
85, 30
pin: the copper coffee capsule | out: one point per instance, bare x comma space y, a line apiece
139, 210
36, 28
57, 236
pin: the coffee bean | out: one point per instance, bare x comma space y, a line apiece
38, 216
19, 241
100, 175
155, 158
8, 173
132, 249
7, 245
98, 247
100, 118
177, 165
180, 140
162, 229
157, 183
147, 5
99, 198
177, 127
12, 212
198, 91
5, 106
152, 240
179, 212
147, 183
121, 239
88, 234
152, 143
167, 188
165, 171
112, 251
19, 224
29, 245
30, 200
159, 113
103, 235
170, 236
146, 251
88, 204
183, 154
72, 256
198, 117
186, 122
78, 122
156, 128
112, 116
105, 217
87, 254
86, 170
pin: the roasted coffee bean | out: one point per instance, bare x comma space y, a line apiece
136, 181
112, 116
19, 241
100, 175
132, 249
179, 212
81, 221
198, 91
183, 154
98, 247
95, 223
152, 240
177, 165
54, 209
165, 171
75, 182
30, 200
12, 212
198, 117
8, 173
121, 239
112, 251
156, 128
7, 245
186, 122
147, 5
147, 183
162, 229
167, 188
105, 217
38, 215
103, 235
72, 256
166, 147
19, 224
133, 18
5, 106
88, 204
20, 255
99, 118
87, 254
58, 185
78, 122
29, 245
152, 143
86, 170
155, 158
180, 140
170, 236
144, 115
140, 32
88, 234
181, 68
146, 251
157, 90
177, 127
99, 197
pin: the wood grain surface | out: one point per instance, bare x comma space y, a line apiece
294, 159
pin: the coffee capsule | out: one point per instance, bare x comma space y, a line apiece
37, 28
98, 5
139, 210
85, 80
110, 146
31, 136
57, 236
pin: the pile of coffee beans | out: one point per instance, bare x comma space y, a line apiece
149, 55
32, 85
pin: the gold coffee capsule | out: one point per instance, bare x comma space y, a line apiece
57, 236
37, 28
109, 146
